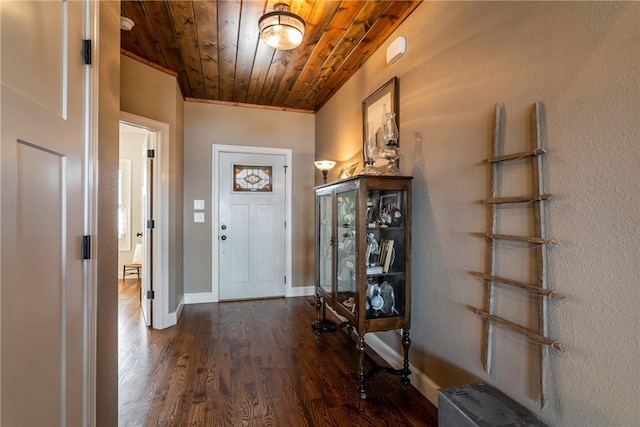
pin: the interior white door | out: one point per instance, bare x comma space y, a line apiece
42, 213
251, 225
146, 284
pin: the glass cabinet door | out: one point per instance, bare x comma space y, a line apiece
385, 254
346, 250
325, 254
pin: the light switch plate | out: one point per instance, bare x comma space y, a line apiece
198, 217
198, 204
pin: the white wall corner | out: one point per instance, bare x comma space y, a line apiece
425, 385
175, 315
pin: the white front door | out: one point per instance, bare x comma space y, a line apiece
251, 225
44, 291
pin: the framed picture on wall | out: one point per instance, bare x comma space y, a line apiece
374, 109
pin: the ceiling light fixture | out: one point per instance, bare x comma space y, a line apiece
281, 29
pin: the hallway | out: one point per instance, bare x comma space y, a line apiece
251, 363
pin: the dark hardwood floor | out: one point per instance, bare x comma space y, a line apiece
252, 363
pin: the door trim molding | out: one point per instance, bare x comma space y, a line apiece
91, 188
216, 151
161, 316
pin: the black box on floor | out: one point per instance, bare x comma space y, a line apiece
481, 405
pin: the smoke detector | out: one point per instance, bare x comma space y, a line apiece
126, 23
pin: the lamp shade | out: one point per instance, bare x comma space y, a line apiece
281, 29
324, 165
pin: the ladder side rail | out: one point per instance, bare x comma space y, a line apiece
538, 143
498, 135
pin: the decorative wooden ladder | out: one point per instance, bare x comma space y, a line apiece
539, 241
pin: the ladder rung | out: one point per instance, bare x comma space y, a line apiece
527, 239
531, 288
515, 327
516, 156
516, 199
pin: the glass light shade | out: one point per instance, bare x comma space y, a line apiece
391, 152
324, 165
281, 29
371, 152
390, 130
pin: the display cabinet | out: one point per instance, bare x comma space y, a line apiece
363, 261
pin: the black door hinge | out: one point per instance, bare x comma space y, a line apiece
86, 247
151, 295
151, 154
151, 224
86, 52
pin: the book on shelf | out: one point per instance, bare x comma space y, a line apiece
368, 254
382, 251
375, 269
388, 256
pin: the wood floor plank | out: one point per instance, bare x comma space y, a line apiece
250, 363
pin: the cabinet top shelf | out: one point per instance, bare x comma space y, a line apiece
391, 227
378, 178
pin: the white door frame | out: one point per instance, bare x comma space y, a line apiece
161, 316
215, 188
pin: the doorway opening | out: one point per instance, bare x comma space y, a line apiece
133, 200
143, 213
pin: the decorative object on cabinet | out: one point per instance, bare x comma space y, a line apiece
371, 151
374, 115
324, 166
348, 170
363, 266
538, 289
391, 151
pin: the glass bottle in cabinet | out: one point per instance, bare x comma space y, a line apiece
363, 260
346, 249
325, 243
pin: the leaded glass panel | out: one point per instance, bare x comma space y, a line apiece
252, 178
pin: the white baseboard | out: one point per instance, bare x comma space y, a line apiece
419, 380
198, 298
206, 297
301, 291
175, 315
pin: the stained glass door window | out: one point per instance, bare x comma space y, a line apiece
252, 178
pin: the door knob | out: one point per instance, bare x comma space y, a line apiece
224, 227
223, 237
139, 234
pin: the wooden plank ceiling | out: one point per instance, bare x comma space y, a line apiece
214, 47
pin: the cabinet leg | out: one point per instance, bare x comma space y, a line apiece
406, 343
349, 329
316, 324
361, 376
322, 324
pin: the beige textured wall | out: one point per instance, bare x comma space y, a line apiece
581, 60
152, 94
106, 244
176, 194
207, 124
